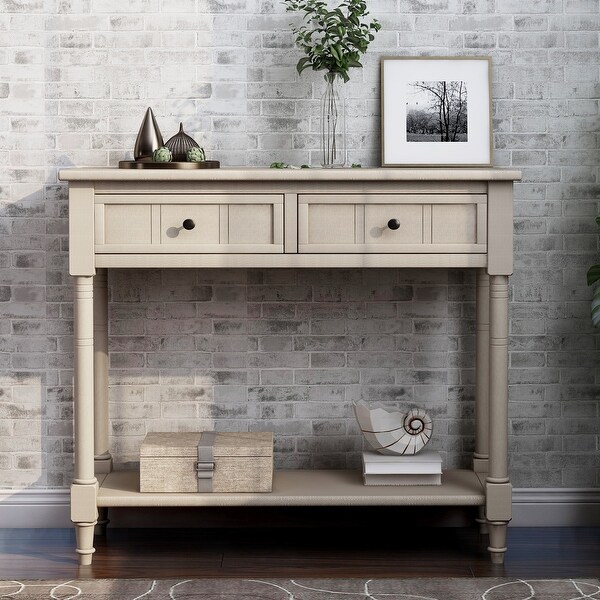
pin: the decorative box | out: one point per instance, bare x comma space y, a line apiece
207, 462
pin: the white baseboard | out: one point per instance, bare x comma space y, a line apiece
34, 508
556, 507
536, 507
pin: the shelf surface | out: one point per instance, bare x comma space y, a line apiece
303, 488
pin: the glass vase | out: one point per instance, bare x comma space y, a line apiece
333, 123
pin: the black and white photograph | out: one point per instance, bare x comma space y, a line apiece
436, 111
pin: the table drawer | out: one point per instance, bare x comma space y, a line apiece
188, 223
348, 223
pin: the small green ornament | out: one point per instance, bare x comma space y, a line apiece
279, 165
162, 155
356, 166
196, 154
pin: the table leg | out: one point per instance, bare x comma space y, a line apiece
498, 487
102, 522
102, 457
482, 383
85, 486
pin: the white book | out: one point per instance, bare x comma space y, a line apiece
427, 462
433, 479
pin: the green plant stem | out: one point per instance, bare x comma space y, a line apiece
330, 122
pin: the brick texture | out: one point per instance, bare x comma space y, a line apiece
289, 351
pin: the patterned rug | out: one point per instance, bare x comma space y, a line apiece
304, 589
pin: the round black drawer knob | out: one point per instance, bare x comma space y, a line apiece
394, 224
189, 224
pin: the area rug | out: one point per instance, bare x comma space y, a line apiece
304, 589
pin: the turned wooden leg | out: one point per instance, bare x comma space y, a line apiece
84, 534
482, 383
482, 521
102, 457
498, 488
497, 545
102, 522
84, 487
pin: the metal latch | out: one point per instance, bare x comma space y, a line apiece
205, 465
204, 470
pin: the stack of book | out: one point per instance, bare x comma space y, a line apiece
424, 468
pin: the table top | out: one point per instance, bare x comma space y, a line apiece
266, 174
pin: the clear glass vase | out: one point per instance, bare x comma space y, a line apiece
333, 123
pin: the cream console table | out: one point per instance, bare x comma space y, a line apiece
272, 218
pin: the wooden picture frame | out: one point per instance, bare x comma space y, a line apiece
436, 111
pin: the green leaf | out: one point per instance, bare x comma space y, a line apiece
596, 307
303, 63
593, 274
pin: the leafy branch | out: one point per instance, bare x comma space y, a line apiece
332, 40
593, 276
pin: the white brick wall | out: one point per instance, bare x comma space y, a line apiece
290, 350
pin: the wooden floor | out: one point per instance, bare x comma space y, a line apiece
299, 552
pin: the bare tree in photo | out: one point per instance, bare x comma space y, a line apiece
437, 111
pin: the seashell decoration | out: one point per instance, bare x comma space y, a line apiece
394, 432
180, 143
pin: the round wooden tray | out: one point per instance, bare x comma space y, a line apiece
148, 164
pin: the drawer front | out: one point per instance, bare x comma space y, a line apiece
348, 223
213, 223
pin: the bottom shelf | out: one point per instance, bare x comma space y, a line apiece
304, 488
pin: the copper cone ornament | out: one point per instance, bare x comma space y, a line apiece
148, 138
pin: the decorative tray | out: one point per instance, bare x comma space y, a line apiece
148, 164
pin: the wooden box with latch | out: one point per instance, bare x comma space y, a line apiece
207, 462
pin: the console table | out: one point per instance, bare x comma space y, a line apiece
421, 218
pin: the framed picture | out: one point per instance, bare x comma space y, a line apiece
436, 111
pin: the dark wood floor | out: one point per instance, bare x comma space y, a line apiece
300, 552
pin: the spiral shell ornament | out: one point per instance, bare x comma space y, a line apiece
394, 432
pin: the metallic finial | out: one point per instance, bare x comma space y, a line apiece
148, 138
180, 143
